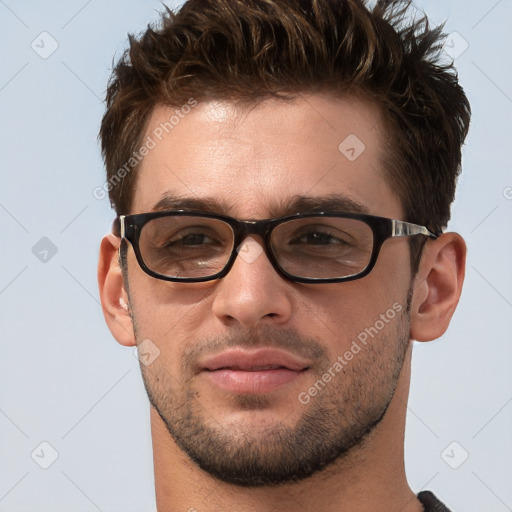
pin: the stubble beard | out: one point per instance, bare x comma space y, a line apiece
336, 422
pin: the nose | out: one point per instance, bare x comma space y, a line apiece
252, 291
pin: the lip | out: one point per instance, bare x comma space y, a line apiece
254, 360
253, 372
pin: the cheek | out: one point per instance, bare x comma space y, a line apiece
343, 312
161, 309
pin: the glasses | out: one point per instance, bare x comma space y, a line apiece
323, 247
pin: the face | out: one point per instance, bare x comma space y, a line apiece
261, 380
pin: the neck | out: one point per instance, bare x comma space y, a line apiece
371, 477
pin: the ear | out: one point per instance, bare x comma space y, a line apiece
437, 286
114, 299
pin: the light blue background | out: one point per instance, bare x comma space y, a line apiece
64, 380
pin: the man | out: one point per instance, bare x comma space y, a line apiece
282, 172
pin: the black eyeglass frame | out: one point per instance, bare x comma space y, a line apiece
129, 227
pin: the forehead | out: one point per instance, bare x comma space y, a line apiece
250, 160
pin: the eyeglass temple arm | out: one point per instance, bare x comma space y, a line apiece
118, 226
401, 228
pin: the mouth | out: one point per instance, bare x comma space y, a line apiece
254, 372
253, 368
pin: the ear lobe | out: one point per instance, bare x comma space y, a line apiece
437, 286
113, 295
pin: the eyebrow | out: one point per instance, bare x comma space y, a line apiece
296, 204
331, 203
206, 204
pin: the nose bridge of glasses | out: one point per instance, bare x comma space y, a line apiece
247, 228
257, 230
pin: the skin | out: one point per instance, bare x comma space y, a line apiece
253, 160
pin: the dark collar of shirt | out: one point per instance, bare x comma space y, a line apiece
431, 503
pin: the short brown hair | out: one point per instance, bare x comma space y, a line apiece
252, 49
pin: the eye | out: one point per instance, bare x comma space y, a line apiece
317, 238
191, 239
